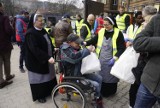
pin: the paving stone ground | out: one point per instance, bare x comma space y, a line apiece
18, 94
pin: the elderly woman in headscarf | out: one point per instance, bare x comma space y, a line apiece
110, 45
39, 59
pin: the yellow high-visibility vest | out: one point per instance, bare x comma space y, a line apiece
120, 20
78, 26
131, 33
52, 38
101, 37
88, 37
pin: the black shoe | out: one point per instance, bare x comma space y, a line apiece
42, 100
5, 83
10, 77
22, 70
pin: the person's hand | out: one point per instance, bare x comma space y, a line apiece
128, 43
56, 49
85, 43
51, 60
111, 62
91, 48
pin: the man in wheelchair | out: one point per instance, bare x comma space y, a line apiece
72, 55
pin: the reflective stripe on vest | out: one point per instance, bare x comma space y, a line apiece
100, 40
52, 38
131, 33
120, 20
47, 30
18, 38
88, 37
78, 26
53, 41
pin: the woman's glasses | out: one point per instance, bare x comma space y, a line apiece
106, 24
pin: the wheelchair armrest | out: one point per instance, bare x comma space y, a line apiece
73, 78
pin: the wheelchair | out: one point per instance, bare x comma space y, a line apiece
73, 92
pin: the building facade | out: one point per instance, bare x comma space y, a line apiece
139, 4
130, 5
109, 4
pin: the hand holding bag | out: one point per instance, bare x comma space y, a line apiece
90, 64
122, 69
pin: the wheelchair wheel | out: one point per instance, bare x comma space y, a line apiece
68, 95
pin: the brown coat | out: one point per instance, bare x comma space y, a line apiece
62, 30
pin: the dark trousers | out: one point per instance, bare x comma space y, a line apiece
108, 89
132, 94
22, 54
5, 61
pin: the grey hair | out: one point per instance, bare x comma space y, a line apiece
149, 10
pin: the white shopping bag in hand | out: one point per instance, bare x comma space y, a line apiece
122, 69
90, 64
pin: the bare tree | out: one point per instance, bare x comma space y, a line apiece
66, 6
8, 6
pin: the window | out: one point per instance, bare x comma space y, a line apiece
115, 2
130, 9
142, 6
103, 1
124, 3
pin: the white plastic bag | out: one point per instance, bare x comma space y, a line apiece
122, 69
90, 64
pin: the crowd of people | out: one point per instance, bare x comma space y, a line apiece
107, 36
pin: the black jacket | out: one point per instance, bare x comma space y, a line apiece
36, 49
84, 31
6, 32
148, 41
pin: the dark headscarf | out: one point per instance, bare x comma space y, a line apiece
30, 24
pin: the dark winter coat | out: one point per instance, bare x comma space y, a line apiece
6, 32
84, 31
148, 41
36, 49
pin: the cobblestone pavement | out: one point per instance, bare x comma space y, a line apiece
18, 95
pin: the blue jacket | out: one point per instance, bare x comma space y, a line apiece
72, 59
19, 26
